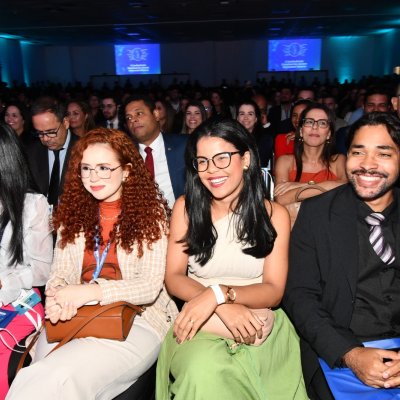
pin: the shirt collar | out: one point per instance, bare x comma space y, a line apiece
156, 144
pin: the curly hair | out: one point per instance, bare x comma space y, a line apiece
144, 212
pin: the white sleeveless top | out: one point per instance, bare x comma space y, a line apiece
228, 265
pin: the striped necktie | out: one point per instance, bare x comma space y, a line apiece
381, 248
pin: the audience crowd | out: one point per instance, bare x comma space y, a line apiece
155, 196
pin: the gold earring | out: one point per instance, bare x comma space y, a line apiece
245, 167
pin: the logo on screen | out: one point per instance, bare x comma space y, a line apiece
137, 54
294, 49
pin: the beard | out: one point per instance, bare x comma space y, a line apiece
370, 193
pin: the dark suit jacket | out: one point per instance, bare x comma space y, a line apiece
175, 146
38, 160
274, 117
121, 124
323, 273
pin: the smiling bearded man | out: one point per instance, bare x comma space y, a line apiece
344, 287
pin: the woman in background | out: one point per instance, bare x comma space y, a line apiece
220, 108
18, 118
166, 116
249, 115
195, 114
314, 167
26, 247
79, 117
95, 111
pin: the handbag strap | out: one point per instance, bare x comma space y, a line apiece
28, 349
307, 187
94, 314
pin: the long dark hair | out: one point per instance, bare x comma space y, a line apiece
253, 226
201, 108
24, 114
329, 145
15, 182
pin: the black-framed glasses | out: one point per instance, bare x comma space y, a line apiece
52, 133
102, 171
321, 123
220, 160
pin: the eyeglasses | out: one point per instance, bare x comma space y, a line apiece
102, 171
321, 123
220, 160
52, 133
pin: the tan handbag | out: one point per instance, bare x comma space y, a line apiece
113, 321
216, 326
294, 208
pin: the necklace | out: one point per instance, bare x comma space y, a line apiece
109, 218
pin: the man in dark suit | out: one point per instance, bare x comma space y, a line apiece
48, 157
280, 113
163, 153
344, 286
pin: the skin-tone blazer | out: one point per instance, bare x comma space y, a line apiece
142, 279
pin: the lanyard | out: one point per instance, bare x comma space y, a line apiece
99, 258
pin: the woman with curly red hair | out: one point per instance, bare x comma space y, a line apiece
112, 212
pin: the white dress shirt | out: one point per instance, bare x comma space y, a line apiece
63, 154
161, 171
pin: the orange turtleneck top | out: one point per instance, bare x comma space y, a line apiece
108, 215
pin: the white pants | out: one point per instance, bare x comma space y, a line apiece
88, 368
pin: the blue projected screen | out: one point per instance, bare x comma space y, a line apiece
137, 59
294, 54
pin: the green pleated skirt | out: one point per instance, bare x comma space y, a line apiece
209, 368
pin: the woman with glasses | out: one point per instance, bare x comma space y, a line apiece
26, 251
314, 167
227, 260
111, 246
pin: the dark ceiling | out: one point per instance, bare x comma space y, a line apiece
89, 22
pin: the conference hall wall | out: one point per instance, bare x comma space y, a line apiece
208, 62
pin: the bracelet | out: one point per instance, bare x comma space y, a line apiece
219, 295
